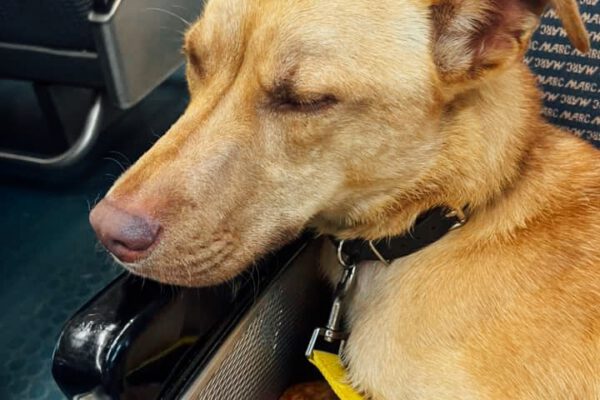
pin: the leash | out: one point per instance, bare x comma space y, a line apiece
327, 343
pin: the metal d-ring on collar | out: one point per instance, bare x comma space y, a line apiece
340, 255
343, 262
378, 254
459, 215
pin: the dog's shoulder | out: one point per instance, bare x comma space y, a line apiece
513, 293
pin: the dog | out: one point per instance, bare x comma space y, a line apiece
353, 118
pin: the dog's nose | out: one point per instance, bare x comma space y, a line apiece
126, 235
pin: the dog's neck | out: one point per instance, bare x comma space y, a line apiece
488, 134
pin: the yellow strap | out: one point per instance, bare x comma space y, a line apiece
333, 371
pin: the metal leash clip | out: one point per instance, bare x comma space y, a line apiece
333, 333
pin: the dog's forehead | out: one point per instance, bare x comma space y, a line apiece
313, 23
349, 37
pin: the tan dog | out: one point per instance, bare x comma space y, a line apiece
353, 117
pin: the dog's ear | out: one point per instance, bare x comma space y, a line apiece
473, 37
568, 12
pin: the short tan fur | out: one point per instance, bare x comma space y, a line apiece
353, 117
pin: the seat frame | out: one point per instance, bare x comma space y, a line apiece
138, 46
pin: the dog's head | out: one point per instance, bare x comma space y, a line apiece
306, 112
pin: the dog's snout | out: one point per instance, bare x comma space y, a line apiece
127, 235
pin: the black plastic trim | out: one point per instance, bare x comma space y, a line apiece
103, 6
140, 339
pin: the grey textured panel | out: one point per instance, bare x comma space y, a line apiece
59, 24
256, 360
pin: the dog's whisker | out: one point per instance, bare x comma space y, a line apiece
112, 177
255, 282
153, 132
120, 164
168, 29
96, 199
189, 272
171, 13
143, 282
126, 159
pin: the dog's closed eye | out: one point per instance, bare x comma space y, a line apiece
284, 98
196, 64
194, 61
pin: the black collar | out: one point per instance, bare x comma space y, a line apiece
430, 227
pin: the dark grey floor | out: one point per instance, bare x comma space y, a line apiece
50, 263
